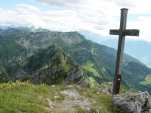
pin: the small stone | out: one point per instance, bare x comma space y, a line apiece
50, 103
53, 86
98, 93
56, 97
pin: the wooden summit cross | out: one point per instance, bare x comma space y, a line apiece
122, 32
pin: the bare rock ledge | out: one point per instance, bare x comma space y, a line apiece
133, 102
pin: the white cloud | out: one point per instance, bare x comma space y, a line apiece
64, 20
103, 14
144, 23
96, 16
60, 2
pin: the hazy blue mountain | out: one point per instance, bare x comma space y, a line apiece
136, 48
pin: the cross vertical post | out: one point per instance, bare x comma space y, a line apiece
122, 32
121, 43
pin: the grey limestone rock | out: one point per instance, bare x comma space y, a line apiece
133, 102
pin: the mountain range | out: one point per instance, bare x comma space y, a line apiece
51, 57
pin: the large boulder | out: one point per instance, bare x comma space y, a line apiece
133, 102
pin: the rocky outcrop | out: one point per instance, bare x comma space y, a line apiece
77, 76
53, 66
133, 102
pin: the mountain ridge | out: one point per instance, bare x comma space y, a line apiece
97, 61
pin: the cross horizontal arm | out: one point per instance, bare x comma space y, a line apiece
128, 32
114, 32
132, 32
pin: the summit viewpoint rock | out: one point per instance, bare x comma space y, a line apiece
133, 102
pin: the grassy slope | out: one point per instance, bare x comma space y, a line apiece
27, 98
147, 80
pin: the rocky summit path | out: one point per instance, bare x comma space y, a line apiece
72, 101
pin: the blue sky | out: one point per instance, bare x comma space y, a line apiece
10, 4
13, 3
95, 16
